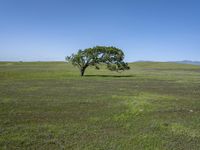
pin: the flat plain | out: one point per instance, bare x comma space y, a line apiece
47, 105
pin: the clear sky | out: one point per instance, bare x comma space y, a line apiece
44, 30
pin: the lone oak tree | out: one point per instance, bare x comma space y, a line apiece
111, 56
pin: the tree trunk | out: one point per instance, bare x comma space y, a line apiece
82, 71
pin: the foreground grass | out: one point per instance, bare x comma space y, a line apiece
154, 106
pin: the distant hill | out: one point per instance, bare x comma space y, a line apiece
179, 62
188, 62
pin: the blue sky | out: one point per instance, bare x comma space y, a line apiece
45, 30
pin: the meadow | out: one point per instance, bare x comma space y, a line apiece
47, 105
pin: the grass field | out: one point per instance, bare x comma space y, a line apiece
46, 105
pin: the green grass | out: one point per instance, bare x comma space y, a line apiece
46, 105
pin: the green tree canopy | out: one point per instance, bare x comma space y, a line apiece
111, 56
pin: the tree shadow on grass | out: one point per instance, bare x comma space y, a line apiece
115, 76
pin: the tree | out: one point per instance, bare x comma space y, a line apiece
111, 56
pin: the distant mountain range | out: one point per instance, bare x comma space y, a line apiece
188, 62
